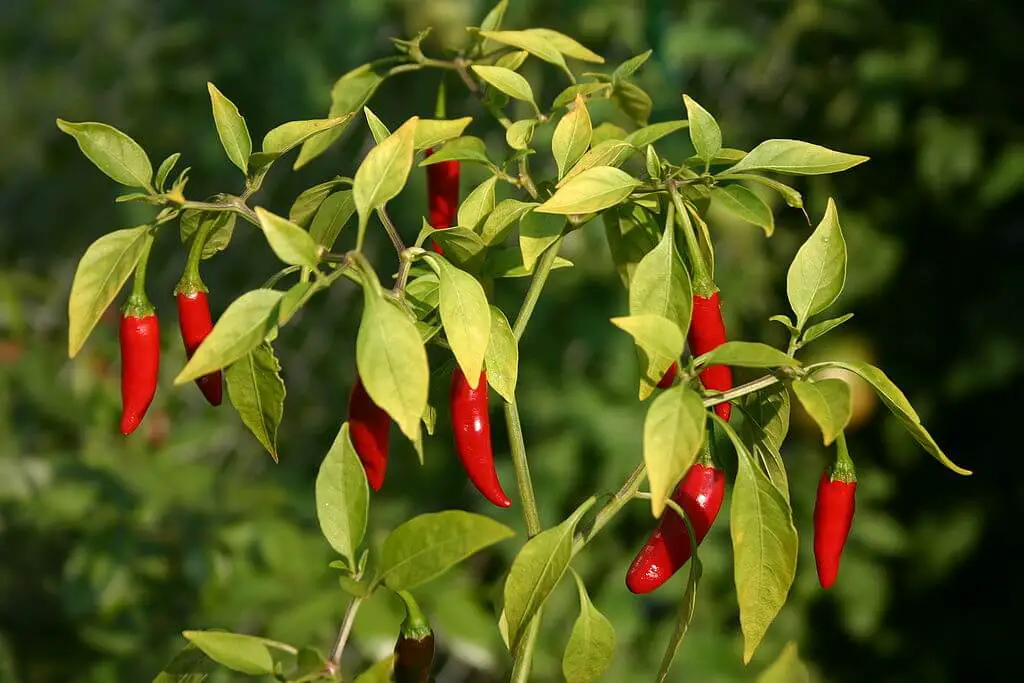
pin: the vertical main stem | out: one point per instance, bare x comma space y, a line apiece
524, 653
522, 467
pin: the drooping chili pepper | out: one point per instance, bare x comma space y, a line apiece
707, 332
669, 377
700, 495
140, 361
833, 514
414, 650
471, 424
369, 426
196, 323
442, 195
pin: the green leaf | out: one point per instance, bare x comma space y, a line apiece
747, 355
824, 327
792, 198
238, 652
512, 60
113, 152
465, 315
231, 128
564, 44
242, 327
520, 133
654, 132
219, 234
379, 672
604, 153
767, 414
290, 135
461, 246
686, 608
383, 173
537, 232
659, 344
508, 262
428, 545
466, 148
633, 101
504, 215
378, 130
828, 402
391, 359
704, 131
477, 204
166, 166
432, 132
342, 497
630, 66
502, 358
494, 18
745, 205
190, 665
585, 89
592, 190
787, 668
673, 436
661, 285
290, 243
422, 294
507, 81
257, 392
818, 272
795, 158
897, 402
100, 275
591, 645
350, 93
572, 137
306, 205
537, 570
536, 45
764, 543
331, 217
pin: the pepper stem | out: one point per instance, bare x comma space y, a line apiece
415, 625
138, 304
190, 281
842, 469
707, 457
439, 106
703, 282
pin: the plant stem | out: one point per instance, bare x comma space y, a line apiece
742, 390
703, 283
526, 497
524, 653
344, 631
526, 180
540, 275
612, 507
391, 230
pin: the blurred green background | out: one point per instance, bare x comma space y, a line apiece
110, 547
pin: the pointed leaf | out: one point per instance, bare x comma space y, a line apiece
659, 343
564, 44
342, 497
747, 355
100, 275
236, 651
349, 94
654, 132
478, 204
380, 672
536, 45
824, 327
630, 66
686, 608
290, 243
290, 135
231, 128
571, 137
591, 642
704, 131
113, 152
331, 217
592, 190
507, 81
605, 153
306, 205
520, 133
828, 402
466, 317
432, 132
818, 272
466, 148
378, 130
745, 205
383, 173
502, 359
504, 215
787, 668
257, 392
673, 435
537, 232
795, 157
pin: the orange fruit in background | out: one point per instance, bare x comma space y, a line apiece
845, 346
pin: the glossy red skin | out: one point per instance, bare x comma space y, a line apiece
140, 368
833, 517
700, 494
707, 332
669, 377
471, 425
369, 426
442, 196
195, 322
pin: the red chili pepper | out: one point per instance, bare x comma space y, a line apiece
707, 332
140, 365
369, 426
833, 515
195, 322
442, 195
669, 377
471, 424
700, 494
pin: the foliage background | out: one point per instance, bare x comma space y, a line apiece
109, 548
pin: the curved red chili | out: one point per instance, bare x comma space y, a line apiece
833, 517
140, 367
669, 377
707, 332
369, 426
442, 195
700, 494
195, 322
471, 425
